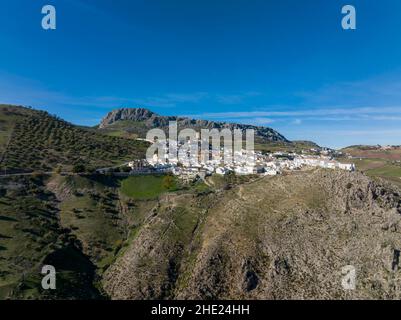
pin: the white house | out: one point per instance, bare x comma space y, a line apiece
347, 166
222, 170
270, 172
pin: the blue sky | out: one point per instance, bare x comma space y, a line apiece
285, 64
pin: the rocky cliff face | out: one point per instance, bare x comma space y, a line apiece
140, 120
287, 237
135, 114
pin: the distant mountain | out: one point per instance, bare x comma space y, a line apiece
137, 121
374, 152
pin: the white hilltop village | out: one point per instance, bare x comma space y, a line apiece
244, 162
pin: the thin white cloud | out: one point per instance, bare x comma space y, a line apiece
236, 98
297, 121
261, 121
19, 90
303, 113
171, 99
379, 90
376, 133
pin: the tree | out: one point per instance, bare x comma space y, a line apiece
58, 170
78, 168
125, 169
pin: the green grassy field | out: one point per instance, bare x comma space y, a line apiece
387, 171
378, 167
366, 164
145, 187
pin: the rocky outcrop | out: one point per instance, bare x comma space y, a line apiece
286, 237
137, 114
141, 120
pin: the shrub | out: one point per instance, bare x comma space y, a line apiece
78, 168
125, 169
58, 170
168, 182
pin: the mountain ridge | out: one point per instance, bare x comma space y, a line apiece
149, 120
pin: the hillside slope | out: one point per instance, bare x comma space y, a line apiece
286, 237
76, 223
392, 153
31, 235
282, 237
34, 140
